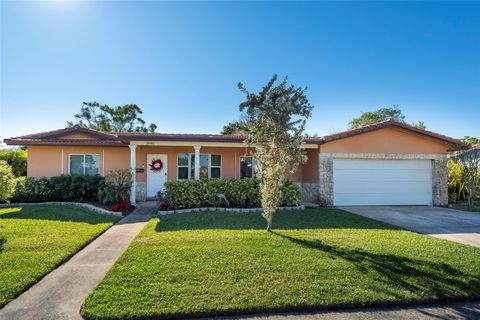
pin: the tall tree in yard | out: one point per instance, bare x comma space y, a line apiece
276, 118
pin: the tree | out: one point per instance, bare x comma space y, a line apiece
420, 125
470, 160
276, 118
470, 140
17, 159
7, 182
238, 127
101, 117
379, 115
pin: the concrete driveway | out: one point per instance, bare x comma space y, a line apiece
444, 223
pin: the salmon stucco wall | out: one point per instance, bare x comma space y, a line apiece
387, 140
46, 161
230, 159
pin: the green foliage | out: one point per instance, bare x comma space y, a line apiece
457, 188
238, 127
107, 194
101, 117
121, 181
17, 159
471, 140
8, 182
240, 193
379, 115
70, 188
420, 125
40, 238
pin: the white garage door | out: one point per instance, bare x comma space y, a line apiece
382, 182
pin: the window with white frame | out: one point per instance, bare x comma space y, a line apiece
182, 166
247, 167
210, 166
84, 164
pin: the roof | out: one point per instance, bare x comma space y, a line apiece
398, 125
123, 138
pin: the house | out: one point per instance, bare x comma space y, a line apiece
387, 163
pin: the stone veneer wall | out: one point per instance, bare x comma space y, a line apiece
439, 173
310, 192
141, 191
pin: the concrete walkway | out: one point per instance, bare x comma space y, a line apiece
60, 294
454, 225
466, 310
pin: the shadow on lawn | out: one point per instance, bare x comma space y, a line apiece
438, 280
283, 220
56, 213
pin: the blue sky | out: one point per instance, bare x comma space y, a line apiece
181, 62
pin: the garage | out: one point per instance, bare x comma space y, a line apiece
382, 182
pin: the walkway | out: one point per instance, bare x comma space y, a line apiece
60, 294
454, 225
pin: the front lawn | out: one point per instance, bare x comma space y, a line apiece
219, 263
39, 238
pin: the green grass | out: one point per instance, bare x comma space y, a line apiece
39, 238
220, 263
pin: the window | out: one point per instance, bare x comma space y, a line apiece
84, 164
216, 166
182, 166
247, 169
210, 166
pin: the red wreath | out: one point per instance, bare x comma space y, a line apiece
156, 165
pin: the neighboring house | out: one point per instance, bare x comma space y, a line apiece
387, 163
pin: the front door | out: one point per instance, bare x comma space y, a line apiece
157, 168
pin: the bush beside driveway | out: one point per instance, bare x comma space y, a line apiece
221, 263
38, 239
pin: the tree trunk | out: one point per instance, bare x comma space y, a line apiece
269, 223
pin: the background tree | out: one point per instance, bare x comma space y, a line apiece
101, 117
471, 140
276, 118
420, 125
382, 114
16, 158
238, 127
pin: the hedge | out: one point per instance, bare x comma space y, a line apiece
240, 193
68, 188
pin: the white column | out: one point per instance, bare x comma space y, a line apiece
197, 162
133, 165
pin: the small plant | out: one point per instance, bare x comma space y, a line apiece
121, 182
7, 182
117, 207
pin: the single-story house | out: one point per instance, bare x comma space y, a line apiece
387, 163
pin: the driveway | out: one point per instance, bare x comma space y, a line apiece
454, 225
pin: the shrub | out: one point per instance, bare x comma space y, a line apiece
106, 193
7, 182
240, 193
120, 181
17, 159
69, 188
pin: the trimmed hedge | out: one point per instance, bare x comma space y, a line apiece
240, 193
68, 188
